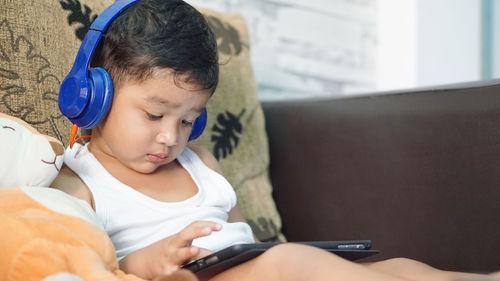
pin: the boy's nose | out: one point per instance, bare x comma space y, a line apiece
167, 137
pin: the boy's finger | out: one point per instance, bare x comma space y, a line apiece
203, 253
186, 236
195, 230
181, 274
202, 224
184, 254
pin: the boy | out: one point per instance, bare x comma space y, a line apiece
161, 201
163, 61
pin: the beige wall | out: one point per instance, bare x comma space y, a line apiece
308, 48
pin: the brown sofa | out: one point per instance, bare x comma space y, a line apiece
416, 171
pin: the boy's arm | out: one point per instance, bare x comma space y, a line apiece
207, 158
235, 215
70, 183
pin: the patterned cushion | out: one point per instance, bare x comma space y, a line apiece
39, 41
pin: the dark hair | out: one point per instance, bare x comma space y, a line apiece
155, 34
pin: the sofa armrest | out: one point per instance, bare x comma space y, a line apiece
417, 172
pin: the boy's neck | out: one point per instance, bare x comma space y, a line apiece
169, 183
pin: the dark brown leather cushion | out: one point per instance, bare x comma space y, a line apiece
415, 171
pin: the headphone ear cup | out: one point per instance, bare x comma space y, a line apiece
199, 125
100, 98
73, 96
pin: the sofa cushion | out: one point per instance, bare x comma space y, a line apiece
39, 41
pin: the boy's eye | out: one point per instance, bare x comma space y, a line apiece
153, 117
187, 123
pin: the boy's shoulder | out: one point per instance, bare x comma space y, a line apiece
207, 157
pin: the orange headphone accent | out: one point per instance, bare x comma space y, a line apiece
72, 135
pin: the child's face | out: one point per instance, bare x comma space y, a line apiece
149, 122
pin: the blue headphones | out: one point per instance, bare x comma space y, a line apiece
85, 95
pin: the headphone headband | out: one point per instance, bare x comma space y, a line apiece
102, 22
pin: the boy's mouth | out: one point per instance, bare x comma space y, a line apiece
157, 158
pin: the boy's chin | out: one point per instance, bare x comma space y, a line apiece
145, 168
151, 168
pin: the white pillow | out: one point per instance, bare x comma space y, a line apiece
26, 157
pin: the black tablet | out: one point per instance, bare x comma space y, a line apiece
226, 258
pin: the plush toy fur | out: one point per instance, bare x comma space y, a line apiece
45, 231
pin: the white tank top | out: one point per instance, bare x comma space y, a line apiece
134, 220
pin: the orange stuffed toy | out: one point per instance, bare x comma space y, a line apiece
46, 232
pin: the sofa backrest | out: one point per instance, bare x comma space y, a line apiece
416, 171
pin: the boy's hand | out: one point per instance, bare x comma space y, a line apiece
167, 255
183, 274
